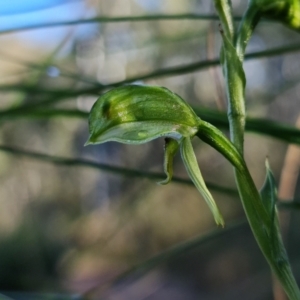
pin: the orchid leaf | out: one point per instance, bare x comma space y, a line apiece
268, 192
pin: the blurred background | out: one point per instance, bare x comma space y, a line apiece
75, 219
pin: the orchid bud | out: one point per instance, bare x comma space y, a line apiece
136, 114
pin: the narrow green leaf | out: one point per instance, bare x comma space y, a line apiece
191, 165
277, 255
268, 192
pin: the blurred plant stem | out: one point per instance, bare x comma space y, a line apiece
34, 80
106, 168
277, 130
104, 19
57, 95
287, 204
168, 255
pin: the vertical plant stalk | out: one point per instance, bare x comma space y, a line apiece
224, 10
264, 227
262, 223
235, 90
234, 76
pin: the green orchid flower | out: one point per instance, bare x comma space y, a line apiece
137, 114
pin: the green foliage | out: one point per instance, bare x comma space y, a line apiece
136, 114
277, 252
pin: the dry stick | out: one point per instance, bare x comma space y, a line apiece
286, 190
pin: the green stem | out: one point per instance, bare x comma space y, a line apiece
223, 8
234, 75
181, 249
258, 218
265, 231
126, 172
235, 88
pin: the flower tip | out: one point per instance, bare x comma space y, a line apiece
219, 219
220, 222
88, 142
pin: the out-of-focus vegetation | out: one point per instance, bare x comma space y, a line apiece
90, 222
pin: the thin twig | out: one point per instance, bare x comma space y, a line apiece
106, 19
106, 168
169, 254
